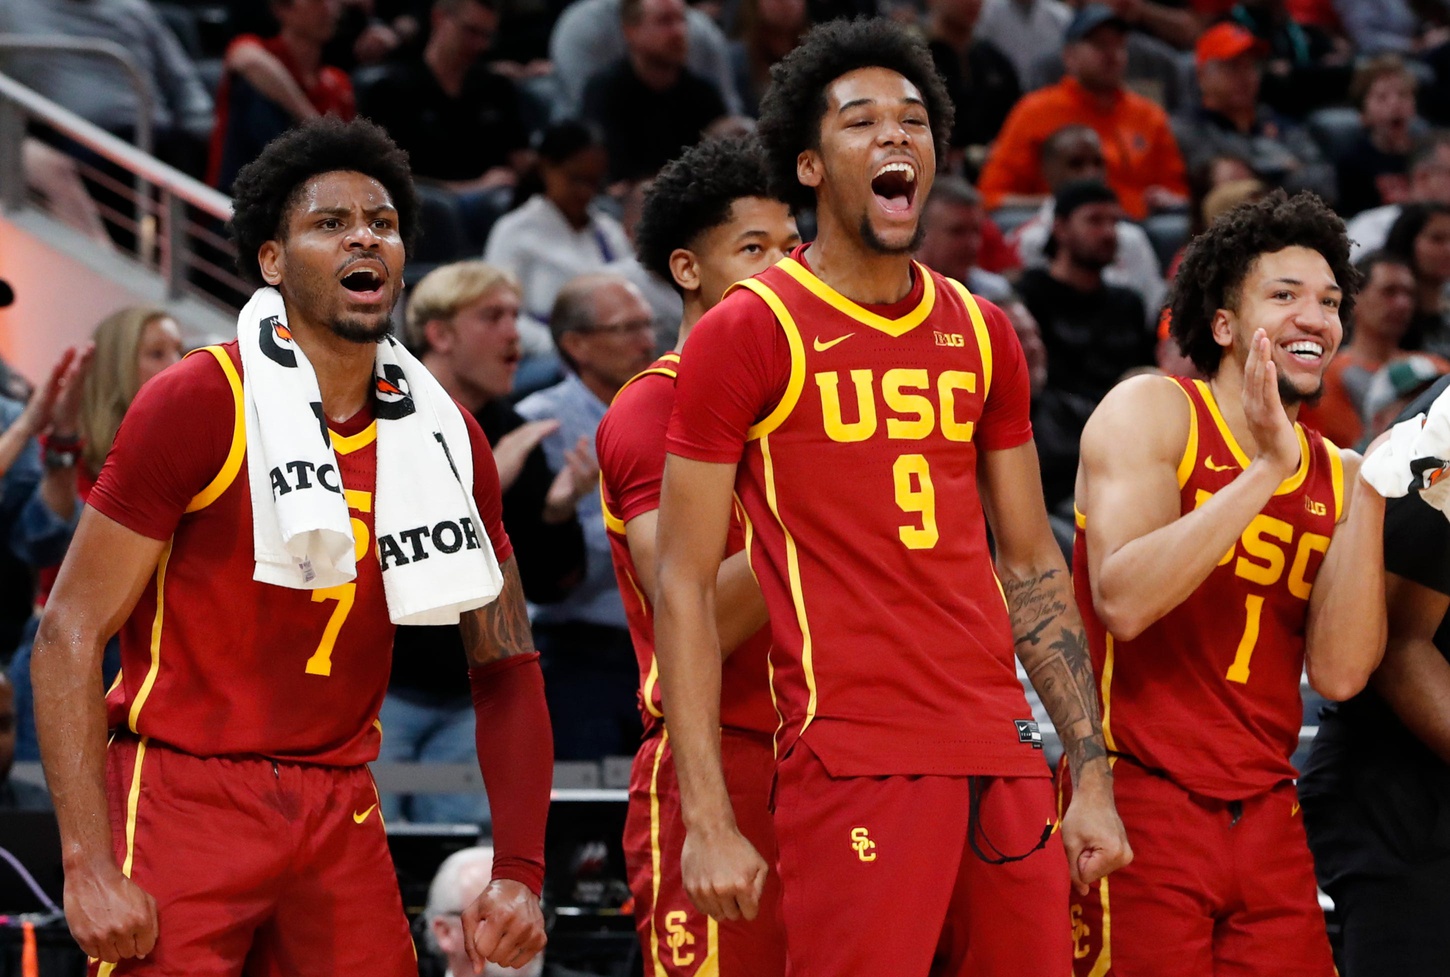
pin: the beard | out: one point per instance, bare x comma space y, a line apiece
874, 242
356, 329
1289, 395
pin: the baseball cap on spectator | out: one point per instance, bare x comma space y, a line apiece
1395, 385
1089, 19
1224, 42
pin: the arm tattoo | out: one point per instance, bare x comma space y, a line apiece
1054, 651
501, 629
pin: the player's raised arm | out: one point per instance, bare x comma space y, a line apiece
1144, 557
516, 757
104, 574
1344, 636
739, 607
1053, 648
723, 873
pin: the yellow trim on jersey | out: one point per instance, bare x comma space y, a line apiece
115, 683
1079, 517
892, 327
1105, 956
797, 380
769, 661
133, 798
1289, 484
1190, 447
346, 444
797, 594
1336, 477
658, 371
984, 339
1105, 691
654, 854
710, 966
238, 449
150, 679
612, 523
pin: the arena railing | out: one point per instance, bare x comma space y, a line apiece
169, 222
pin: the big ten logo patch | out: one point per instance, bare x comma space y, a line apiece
1263, 551
862, 844
949, 338
915, 404
678, 938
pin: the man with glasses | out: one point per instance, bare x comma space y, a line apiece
604, 331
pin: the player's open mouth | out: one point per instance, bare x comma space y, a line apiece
365, 281
895, 187
1306, 351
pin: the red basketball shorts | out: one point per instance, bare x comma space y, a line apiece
677, 939
1215, 887
282, 867
880, 877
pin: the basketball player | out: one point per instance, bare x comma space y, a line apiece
1222, 550
868, 413
708, 221
232, 820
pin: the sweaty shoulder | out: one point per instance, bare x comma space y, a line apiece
173, 443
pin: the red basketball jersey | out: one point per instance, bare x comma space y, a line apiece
213, 662
893, 650
630, 446
1209, 694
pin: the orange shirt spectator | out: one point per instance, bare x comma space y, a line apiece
1145, 168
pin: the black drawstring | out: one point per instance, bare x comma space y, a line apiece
975, 790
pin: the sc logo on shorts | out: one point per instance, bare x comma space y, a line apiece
864, 847
679, 937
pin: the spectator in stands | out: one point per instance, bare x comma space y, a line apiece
1375, 170
131, 345
554, 232
1383, 308
1093, 331
605, 334
1026, 31
1173, 23
462, 323
664, 301
270, 84
1421, 238
767, 31
1305, 67
98, 89
462, 875
649, 104
1144, 165
587, 40
1230, 121
1029, 334
1075, 152
952, 223
1429, 184
15, 795
1377, 27
980, 79
458, 120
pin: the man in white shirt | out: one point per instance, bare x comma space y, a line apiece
1024, 30
1429, 183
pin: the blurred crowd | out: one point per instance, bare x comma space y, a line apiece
1091, 142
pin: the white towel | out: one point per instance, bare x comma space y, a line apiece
1415, 458
436, 558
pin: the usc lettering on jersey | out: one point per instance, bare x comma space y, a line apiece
1209, 694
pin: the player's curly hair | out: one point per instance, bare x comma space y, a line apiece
267, 187
1218, 260
795, 103
693, 194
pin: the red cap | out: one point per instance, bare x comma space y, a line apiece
1224, 42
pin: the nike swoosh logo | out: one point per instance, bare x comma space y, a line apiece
360, 817
822, 347
1208, 463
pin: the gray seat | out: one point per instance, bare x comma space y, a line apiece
1168, 233
1335, 129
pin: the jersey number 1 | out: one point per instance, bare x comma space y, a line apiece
1239, 670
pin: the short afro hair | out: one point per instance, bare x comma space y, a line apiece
795, 103
693, 194
1218, 260
267, 188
